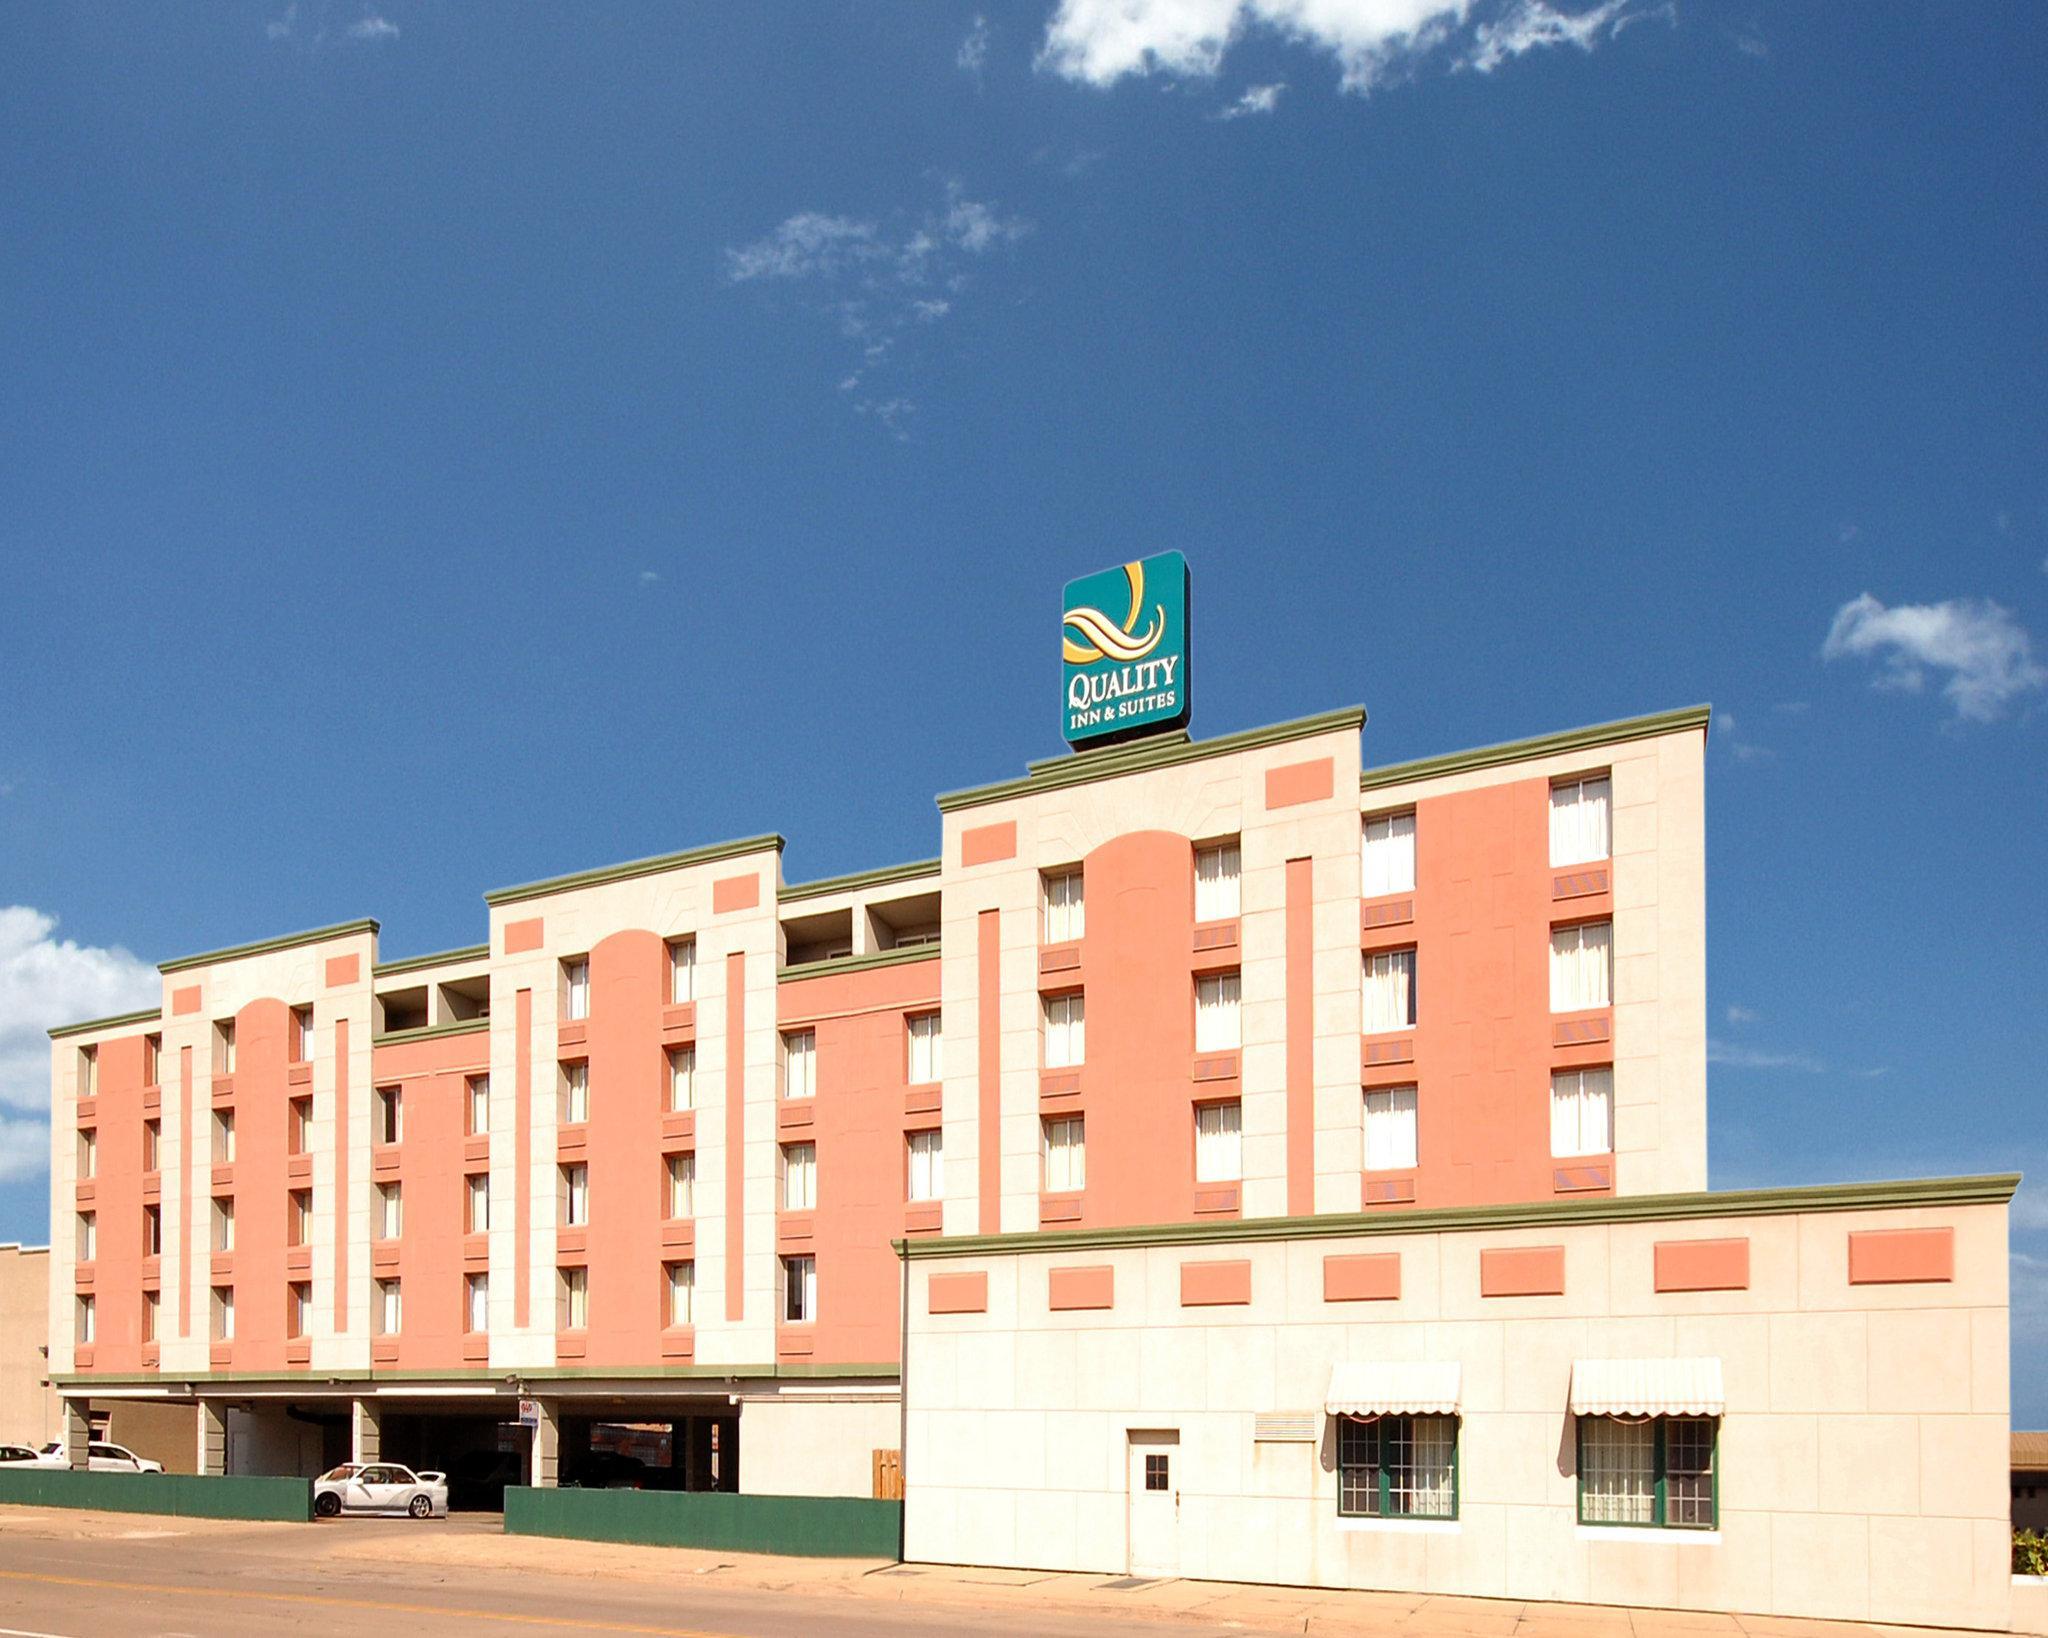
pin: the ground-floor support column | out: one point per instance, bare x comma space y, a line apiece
547, 1444
697, 1458
77, 1432
213, 1438
366, 1431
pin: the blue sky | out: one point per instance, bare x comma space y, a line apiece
449, 446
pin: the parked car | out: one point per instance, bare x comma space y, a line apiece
19, 1456
99, 1458
477, 1479
380, 1487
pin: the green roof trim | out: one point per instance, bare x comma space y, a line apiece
880, 877
505, 1378
1160, 751
440, 958
118, 1021
431, 1032
1524, 750
1627, 1208
833, 965
707, 854
235, 952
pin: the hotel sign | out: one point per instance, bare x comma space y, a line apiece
1124, 650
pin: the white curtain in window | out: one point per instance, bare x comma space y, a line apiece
1065, 1031
575, 1299
1064, 912
683, 970
1579, 822
799, 1176
1390, 1129
927, 1163
1389, 855
682, 1078
479, 1105
925, 1064
479, 1292
1389, 991
682, 1185
1219, 1142
1580, 966
480, 1203
1617, 1475
682, 1293
578, 975
1066, 1167
800, 1064
1217, 1028
575, 1195
575, 1093
1581, 1112
799, 1288
1216, 882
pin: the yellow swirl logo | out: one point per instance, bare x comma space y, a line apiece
1103, 638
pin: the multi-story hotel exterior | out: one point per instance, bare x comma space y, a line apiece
1275, 1167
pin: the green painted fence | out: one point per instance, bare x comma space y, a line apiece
183, 1494
805, 1526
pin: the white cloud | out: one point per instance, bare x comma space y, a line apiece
1258, 99
280, 28
1529, 24
1741, 1015
973, 52
806, 244
649, 577
2029, 1296
1736, 1057
1743, 750
373, 27
1752, 44
1986, 653
2029, 1210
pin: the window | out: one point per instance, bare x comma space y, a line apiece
223, 1313
224, 1046
299, 1127
388, 1116
572, 1311
223, 1222
476, 1303
478, 1092
682, 1292
88, 1320
1219, 1142
302, 1035
1064, 917
88, 1072
1066, 1035
1581, 965
1158, 1470
150, 1302
1388, 859
926, 1065
386, 1307
390, 1211
1397, 1467
152, 1230
682, 1078
1657, 1472
223, 1137
1066, 1155
575, 1094
799, 1290
152, 1144
576, 989
298, 1309
927, 1165
1390, 1129
1389, 1000
1216, 876
88, 1152
1581, 1112
681, 1173
477, 1202
152, 1060
575, 1195
1578, 821
88, 1236
1216, 1013
799, 1176
800, 1064
299, 1219
682, 970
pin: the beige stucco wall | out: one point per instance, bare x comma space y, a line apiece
1862, 1457
814, 1445
28, 1407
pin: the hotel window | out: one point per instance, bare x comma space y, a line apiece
1397, 1467
1219, 1142
476, 1303
576, 989
1216, 1013
386, 1307
1065, 1155
1579, 831
390, 1211
88, 1152
1216, 882
1066, 1042
1581, 966
152, 1144
575, 1093
477, 1089
223, 1313
223, 1137
224, 1046
223, 1222
682, 1078
88, 1072
800, 1064
1581, 1113
302, 1035
572, 1306
1390, 1129
1389, 855
299, 1127
575, 1195
88, 1320
799, 1176
298, 1309
682, 1293
150, 1301
1656, 1472
926, 1066
152, 1230
682, 970
1389, 995
927, 1164
477, 1203
1065, 918
152, 1059
799, 1290
681, 1171
299, 1219
388, 1116
88, 1237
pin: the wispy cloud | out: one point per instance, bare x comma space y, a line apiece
1741, 1015
1258, 99
650, 577
1740, 1057
280, 27
1729, 733
1752, 44
1987, 656
973, 53
373, 27
1530, 25
2029, 1296
312, 32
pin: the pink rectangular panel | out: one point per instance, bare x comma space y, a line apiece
185, 1000
1522, 1271
957, 1294
1581, 1031
736, 893
986, 844
343, 970
1300, 782
521, 936
1579, 884
1074, 1288
1703, 1265
1373, 1278
1902, 1256
1215, 1285
1385, 913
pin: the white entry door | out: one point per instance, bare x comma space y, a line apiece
1154, 1467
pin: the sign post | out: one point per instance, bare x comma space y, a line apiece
1124, 648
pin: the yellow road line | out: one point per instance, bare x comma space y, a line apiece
386, 1606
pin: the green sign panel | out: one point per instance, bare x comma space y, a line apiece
1124, 650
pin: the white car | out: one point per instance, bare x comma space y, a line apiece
99, 1458
19, 1456
380, 1487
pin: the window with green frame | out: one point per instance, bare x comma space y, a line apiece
1658, 1471
1397, 1467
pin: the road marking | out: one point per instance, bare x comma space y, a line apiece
23, 1632
327, 1600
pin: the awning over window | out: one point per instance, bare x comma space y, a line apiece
1387, 1386
1647, 1387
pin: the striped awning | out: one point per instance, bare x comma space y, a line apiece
1647, 1387
1386, 1386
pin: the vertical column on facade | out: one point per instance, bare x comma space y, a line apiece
211, 1457
77, 1432
547, 1443
366, 1431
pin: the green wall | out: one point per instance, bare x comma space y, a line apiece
183, 1494
806, 1526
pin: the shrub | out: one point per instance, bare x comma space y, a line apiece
2029, 1553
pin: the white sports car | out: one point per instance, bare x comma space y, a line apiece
380, 1487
